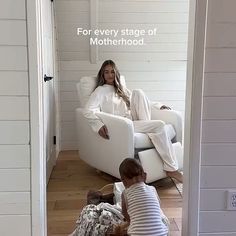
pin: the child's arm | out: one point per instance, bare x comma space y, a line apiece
164, 218
155, 191
121, 229
124, 208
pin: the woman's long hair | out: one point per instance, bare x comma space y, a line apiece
117, 84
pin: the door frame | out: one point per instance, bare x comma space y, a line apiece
192, 144
38, 154
48, 95
193, 116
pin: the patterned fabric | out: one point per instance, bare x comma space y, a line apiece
97, 220
146, 217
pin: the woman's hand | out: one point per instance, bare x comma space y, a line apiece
103, 132
164, 107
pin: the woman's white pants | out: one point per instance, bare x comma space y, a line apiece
155, 129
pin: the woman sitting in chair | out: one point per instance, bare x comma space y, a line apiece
111, 97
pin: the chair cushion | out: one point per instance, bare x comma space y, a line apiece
84, 89
142, 140
153, 164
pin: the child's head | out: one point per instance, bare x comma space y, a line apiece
131, 172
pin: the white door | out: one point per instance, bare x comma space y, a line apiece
48, 84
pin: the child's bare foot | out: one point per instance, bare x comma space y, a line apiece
175, 174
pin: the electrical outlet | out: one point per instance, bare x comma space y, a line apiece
231, 200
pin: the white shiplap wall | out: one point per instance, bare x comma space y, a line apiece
218, 164
14, 121
159, 67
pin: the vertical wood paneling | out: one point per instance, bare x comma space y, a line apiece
221, 11
14, 156
221, 36
14, 180
67, 131
21, 225
155, 6
218, 154
12, 9
15, 195
213, 200
220, 60
218, 234
14, 203
93, 13
13, 32
149, 66
144, 17
220, 84
69, 6
211, 177
14, 108
13, 58
13, 83
220, 221
222, 131
14, 132
214, 108
218, 171
162, 58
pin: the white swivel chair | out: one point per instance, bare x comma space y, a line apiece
106, 155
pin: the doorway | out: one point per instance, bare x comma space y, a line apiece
190, 122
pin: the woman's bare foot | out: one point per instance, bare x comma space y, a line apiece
175, 174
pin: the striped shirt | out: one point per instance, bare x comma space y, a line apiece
144, 211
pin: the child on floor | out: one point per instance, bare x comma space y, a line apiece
140, 202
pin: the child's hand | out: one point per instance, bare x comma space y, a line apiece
117, 230
121, 229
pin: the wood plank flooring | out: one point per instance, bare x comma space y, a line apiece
72, 178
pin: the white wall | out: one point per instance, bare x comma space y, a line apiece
15, 212
218, 164
159, 67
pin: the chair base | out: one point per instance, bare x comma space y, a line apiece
153, 165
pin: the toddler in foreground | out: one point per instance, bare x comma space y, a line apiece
140, 202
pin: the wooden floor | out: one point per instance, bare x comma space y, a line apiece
72, 178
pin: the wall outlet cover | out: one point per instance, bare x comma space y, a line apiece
231, 200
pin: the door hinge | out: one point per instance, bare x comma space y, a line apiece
54, 140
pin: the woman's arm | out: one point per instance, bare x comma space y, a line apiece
91, 107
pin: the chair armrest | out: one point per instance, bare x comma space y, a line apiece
169, 117
105, 155
118, 127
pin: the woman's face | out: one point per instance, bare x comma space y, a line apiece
109, 75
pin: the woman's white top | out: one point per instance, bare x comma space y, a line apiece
144, 211
106, 100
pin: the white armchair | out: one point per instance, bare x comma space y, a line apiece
106, 155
